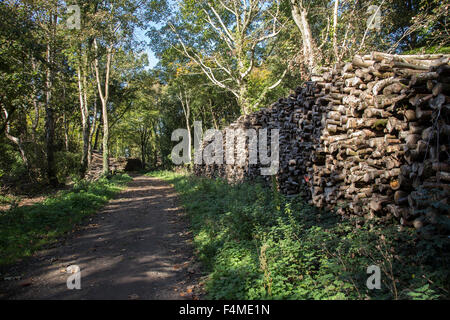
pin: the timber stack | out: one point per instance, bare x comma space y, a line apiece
368, 138
95, 169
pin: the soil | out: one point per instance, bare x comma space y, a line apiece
137, 247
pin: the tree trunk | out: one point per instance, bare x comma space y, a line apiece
92, 131
185, 103
104, 99
35, 121
15, 140
66, 132
143, 147
300, 16
105, 139
243, 100
216, 126
49, 119
97, 133
335, 24
84, 120
154, 146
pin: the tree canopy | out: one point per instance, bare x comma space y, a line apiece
67, 91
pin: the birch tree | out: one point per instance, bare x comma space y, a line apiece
299, 12
116, 21
50, 26
227, 39
183, 96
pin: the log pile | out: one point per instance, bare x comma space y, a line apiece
95, 169
368, 137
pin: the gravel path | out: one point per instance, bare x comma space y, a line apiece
137, 247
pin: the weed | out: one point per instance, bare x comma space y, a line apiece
23, 230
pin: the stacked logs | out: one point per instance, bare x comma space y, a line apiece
298, 120
95, 169
368, 137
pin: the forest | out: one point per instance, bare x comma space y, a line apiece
85, 86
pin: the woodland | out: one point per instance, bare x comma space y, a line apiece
88, 84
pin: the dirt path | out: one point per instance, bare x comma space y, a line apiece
137, 247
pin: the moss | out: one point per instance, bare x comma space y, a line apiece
380, 124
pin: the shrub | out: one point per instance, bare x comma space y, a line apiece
23, 230
257, 244
67, 164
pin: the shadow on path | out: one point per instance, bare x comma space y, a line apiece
137, 247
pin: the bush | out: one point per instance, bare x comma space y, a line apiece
12, 167
24, 230
257, 244
67, 164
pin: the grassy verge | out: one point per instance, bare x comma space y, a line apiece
256, 244
26, 229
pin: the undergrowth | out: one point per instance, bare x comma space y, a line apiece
256, 244
23, 230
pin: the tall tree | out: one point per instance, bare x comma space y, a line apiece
50, 25
227, 40
116, 22
300, 15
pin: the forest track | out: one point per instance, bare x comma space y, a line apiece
137, 247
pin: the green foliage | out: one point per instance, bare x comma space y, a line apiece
423, 293
257, 244
11, 164
67, 164
380, 124
6, 200
23, 230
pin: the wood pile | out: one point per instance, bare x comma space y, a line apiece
368, 137
95, 169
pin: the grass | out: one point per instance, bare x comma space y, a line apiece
24, 230
256, 244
